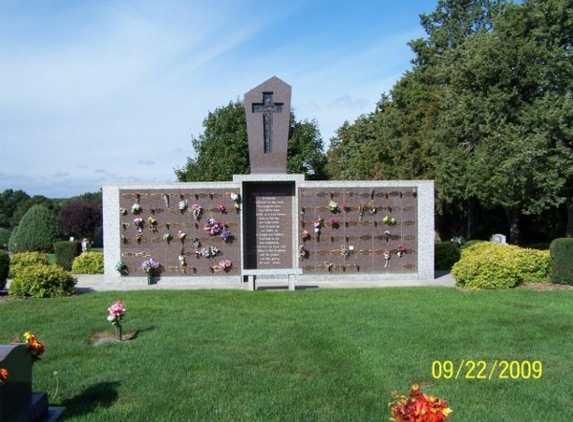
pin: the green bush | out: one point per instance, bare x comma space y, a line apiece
42, 281
18, 261
471, 243
562, 261
489, 265
446, 254
4, 268
4, 237
65, 252
88, 263
36, 231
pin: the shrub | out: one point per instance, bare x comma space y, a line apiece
562, 261
25, 259
446, 254
65, 252
4, 268
4, 237
88, 263
471, 243
487, 265
36, 231
80, 218
42, 281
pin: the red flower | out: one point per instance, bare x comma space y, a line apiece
418, 407
3, 375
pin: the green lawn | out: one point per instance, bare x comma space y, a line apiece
309, 355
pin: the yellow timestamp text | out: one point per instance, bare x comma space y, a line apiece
483, 370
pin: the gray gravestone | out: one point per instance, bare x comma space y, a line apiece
17, 401
267, 110
499, 238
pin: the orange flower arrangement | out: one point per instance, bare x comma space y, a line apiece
3, 375
418, 407
34, 347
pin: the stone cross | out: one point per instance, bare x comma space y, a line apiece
268, 124
267, 107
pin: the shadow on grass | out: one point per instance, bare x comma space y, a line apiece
100, 395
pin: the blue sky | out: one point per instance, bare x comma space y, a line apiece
111, 91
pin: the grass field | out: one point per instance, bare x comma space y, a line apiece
310, 355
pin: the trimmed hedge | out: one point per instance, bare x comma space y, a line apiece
88, 263
562, 261
65, 252
489, 265
42, 281
4, 268
446, 254
25, 259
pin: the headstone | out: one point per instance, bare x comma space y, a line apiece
17, 401
498, 238
267, 110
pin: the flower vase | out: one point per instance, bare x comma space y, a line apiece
149, 278
118, 333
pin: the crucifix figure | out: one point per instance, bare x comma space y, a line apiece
268, 107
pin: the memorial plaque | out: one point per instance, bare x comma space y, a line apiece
268, 242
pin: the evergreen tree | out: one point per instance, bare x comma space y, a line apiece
37, 231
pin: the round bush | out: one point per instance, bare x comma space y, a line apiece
36, 231
88, 263
446, 254
25, 259
489, 265
42, 281
4, 268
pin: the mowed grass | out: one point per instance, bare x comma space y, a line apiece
308, 355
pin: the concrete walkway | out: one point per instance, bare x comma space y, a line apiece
95, 283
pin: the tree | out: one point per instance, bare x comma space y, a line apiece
37, 231
80, 219
222, 150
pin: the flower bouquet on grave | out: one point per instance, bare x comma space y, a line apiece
213, 227
401, 250
372, 208
333, 222
302, 252
226, 234
181, 235
346, 206
418, 407
391, 221
34, 347
167, 237
224, 265
197, 211
115, 314
360, 212
222, 208
123, 211
136, 209
333, 207
138, 222
3, 375
387, 235
387, 255
236, 201
151, 268
182, 263
318, 222
305, 235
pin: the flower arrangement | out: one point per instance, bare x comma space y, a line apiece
318, 222
333, 222
3, 375
302, 252
372, 208
391, 221
182, 262
181, 235
401, 250
115, 314
138, 222
197, 211
225, 264
333, 206
222, 208
167, 237
236, 201
121, 268
387, 234
182, 206
208, 252
418, 407
152, 222
123, 211
387, 257
346, 206
226, 234
136, 209
360, 212
151, 268
213, 227
33, 346
305, 235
